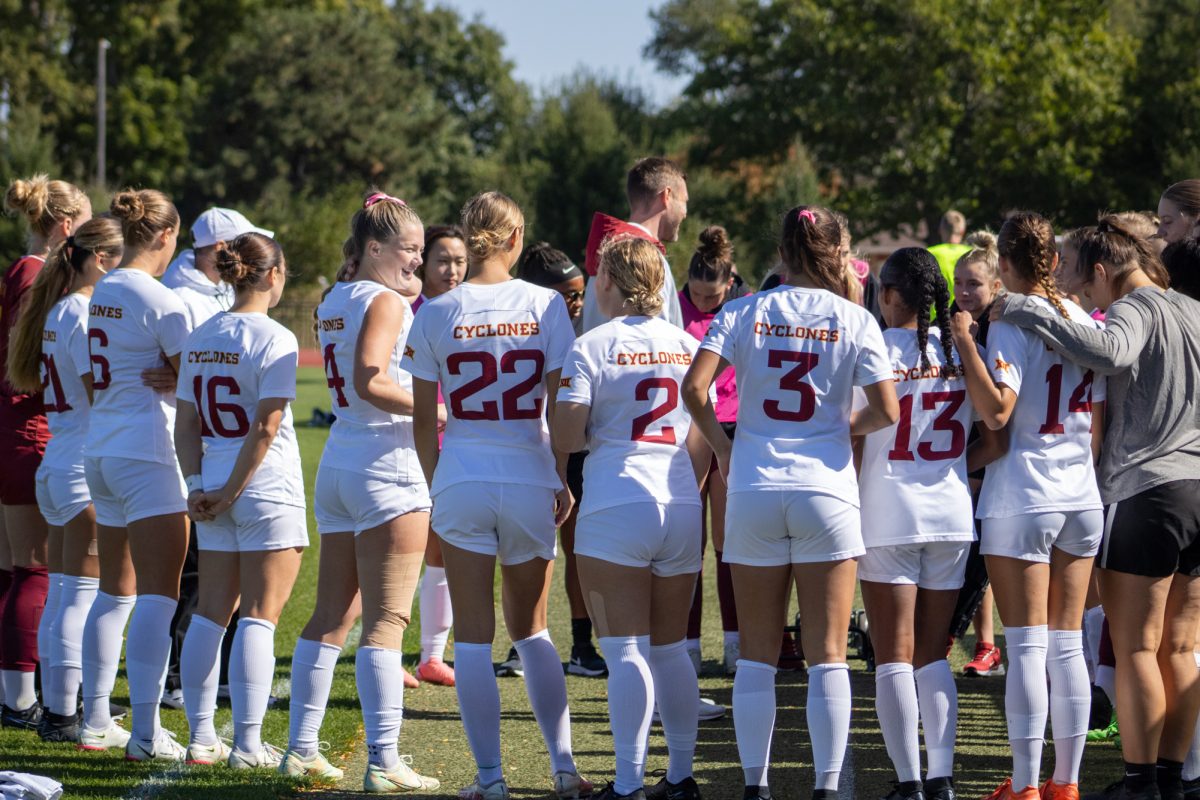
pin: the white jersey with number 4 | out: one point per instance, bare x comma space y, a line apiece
913, 482
230, 364
1048, 466
491, 346
65, 358
365, 438
798, 353
628, 371
134, 322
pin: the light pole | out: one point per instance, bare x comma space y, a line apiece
101, 111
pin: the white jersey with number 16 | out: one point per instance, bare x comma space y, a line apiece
798, 353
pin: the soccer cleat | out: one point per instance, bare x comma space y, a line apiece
112, 736
1109, 733
686, 789
208, 754
28, 720
493, 791
569, 786
1005, 792
987, 661
586, 661
317, 766
118, 711
268, 756
907, 790
171, 698
733, 651
510, 667
1102, 711
403, 778
410, 681
1059, 791
58, 728
1191, 789
940, 789
163, 748
609, 792
757, 793
706, 711
436, 671
1118, 791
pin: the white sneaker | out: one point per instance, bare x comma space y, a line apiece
569, 786
733, 651
171, 698
318, 766
493, 791
112, 736
208, 754
163, 748
268, 757
400, 779
706, 711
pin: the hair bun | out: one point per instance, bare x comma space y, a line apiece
715, 244
230, 266
29, 196
128, 205
982, 240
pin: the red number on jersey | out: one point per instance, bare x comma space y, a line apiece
793, 381
52, 391
944, 422
212, 422
1080, 400
641, 423
488, 410
98, 338
333, 379
510, 398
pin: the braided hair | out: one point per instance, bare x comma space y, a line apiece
1026, 242
915, 274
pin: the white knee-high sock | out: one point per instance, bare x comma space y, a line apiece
251, 672
46, 633
677, 693
1025, 701
1070, 702
547, 690
103, 635
20, 689
479, 706
938, 698
828, 716
754, 718
896, 706
199, 672
66, 654
146, 660
313, 664
382, 699
437, 616
1191, 765
630, 706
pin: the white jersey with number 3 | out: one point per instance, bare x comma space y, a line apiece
1048, 466
913, 482
65, 358
798, 353
628, 371
364, 438
491, 346
230, 364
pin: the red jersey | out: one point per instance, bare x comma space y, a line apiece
20, 413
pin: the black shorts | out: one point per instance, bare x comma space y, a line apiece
575, 474
730, 428
1155, 533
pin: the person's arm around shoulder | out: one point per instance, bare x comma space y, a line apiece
994, 404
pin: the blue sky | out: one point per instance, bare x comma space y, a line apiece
548, 39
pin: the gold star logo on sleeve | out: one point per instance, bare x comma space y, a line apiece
1002, 365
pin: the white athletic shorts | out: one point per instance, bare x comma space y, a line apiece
353, 501
126, 490
513, 521
665, 538
251, 524
1029, 537
61, 496
941, 566
775, 528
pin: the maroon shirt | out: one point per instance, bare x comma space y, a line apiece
20, 413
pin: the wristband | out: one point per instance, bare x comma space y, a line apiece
194, 483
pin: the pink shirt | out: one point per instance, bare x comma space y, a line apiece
696, 322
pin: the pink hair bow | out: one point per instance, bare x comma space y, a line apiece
808, 215
379, 197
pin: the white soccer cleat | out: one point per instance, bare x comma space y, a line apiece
317, 766
476, 791
569, 786
163, 748
402, 779
208, 754
268, 757
706, 711
112, 736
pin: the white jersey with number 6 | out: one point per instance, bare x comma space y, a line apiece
913, 481
490, 347
798, 353
629, 370
65, 358
1048, 466
365, 438
134, 322
230, 363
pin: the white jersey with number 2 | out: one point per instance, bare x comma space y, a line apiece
491, 346
628, 371
65, 358
913, 481
798, 353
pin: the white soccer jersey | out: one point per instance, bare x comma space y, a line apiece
64, 359
629, 370
134, 322
913, 482
230, 364
364, 438
1048, 466
490, 347
798, 353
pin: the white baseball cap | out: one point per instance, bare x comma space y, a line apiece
222, 225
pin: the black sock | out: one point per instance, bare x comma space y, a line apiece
581, 631
1140, 776
1170, 773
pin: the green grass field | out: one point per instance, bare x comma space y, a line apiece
434, 736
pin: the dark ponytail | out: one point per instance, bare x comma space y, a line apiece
915, 274
811, 244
